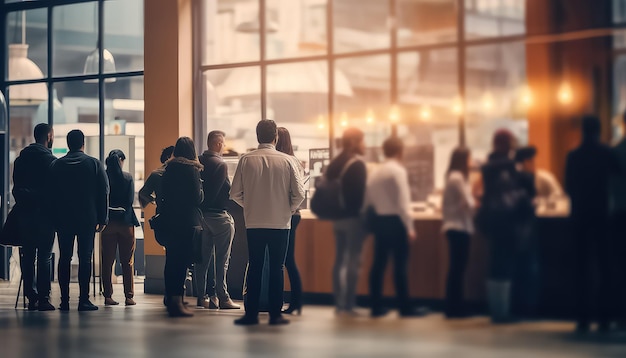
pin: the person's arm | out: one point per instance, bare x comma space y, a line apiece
219, 179
554, 188
353, 186
102, 200
296, 186
130, 195
149, 187
404, 201
236, 188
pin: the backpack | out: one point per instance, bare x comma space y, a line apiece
327, 202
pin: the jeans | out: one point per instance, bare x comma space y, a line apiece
290, 264
390, 238
458, 249
85, 238
217, 239
38, 241
275, 240
178, 256
349, 237
118, 235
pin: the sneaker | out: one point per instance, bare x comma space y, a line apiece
214, 303
379, 312
33, 305
130, 302
228, 304
278, 321
65, 306
203, 303
247, 321
108, 301
87, 306
45, 305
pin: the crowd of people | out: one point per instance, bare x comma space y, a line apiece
192, 192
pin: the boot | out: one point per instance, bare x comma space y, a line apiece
499, 296
175, 307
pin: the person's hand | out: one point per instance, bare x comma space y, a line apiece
412, 237
100, 227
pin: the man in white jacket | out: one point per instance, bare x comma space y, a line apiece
268, 186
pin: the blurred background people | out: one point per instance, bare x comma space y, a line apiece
349, 230
547, 187
458, 225
295, 302
32, 194
389, 197
120, 232
149, 193
588, 171
181, 191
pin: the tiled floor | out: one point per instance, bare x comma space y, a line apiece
145, 331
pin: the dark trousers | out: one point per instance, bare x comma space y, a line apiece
276, 241
390, 238
290, 264
118, 236
85, 238
178, 257
38, 241
593, 250
458, 249
619, 260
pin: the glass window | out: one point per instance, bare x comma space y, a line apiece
619, 11
426, 22
496, 94
123, 34
364, 29
428, 95
231, 31
233, 105
494, 18
27, 44
295, 28
74, 39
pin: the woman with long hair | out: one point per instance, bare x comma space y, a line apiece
119, 234
458, 225
295, 302
181, 191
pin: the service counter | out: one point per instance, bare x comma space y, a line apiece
315, 254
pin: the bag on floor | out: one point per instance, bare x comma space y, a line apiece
10, 233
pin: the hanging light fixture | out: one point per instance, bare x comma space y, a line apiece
92, 62
22, 68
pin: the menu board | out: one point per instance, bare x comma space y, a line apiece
318, 161
420, 165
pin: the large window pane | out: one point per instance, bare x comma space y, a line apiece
360, 25
27, 44
494, 18
300, 28
496, 94
74, 39
123, 34
428, 94
230, 31
233, 105
426, 21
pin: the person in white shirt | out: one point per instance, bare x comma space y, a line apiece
547, 187
458, 225
388, 202
268, 186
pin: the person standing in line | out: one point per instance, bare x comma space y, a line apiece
458, 226
268, 186
618, 226
546, 185
218, 228
389, 196
588, 171
181, 196
350, 232
295, 303
31, 193
81, 204
120, 233
149, 193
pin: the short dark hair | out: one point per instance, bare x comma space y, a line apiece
75, 140
266, 131
392, 146
166, 153
213, 136
185, 148
525, 153
284, 141
503, 141
591, 126
351, 138
41, 132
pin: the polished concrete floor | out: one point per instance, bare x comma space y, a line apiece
145, 331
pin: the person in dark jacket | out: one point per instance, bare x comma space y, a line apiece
589, 169
181, 191
149, 193
218, 229
120, 233
80, 200
350, 232
30, 181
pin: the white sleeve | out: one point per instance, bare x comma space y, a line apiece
296, 186
236, 188
404, 200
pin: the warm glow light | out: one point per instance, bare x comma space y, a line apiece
321, 124
394, 114
487, 101
369, 117
344, 120
527, 97
425, 113
457, 106
565, 94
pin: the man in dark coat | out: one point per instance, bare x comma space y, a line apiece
30, 178
588, 171
80, 209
